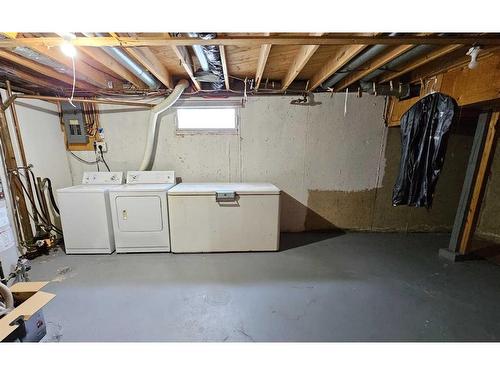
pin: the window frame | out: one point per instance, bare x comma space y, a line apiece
212, 131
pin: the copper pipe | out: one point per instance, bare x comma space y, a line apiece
10, 100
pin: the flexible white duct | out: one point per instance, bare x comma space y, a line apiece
156, 111
8, 300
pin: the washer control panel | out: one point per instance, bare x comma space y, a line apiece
102, 178
150, 177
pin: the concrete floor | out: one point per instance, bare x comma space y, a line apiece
351, 287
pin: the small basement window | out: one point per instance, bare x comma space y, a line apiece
207, 119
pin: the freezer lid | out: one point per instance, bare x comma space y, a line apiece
211, 188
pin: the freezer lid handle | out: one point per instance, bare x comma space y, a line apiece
225, 196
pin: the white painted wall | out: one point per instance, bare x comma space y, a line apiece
43, 140
298, 148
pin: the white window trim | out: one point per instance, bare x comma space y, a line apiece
214, 131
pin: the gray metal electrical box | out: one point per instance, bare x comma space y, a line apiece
74, 123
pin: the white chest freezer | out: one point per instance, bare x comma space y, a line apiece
85, 214
140, 212
215, 217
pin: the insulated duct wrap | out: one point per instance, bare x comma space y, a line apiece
35, 56
424, 136
210, 62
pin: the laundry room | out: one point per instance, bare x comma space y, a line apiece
237, 185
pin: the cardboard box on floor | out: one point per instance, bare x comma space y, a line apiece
29, 300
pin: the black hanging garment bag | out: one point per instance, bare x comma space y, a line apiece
424, 135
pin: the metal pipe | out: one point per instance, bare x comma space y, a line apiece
9, 101
128, 63
198, 50
413, 53
353, 65
356, 63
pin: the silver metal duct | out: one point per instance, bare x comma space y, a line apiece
404, 58
199, 53
210, 62
356, 63
128, 63
35, 56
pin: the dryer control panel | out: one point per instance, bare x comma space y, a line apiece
150, 177
102, 178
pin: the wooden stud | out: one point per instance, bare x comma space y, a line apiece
300, 60
453, 251
140, 41
17, 192
419, 61
371, 66
479, 185
42, 69
224, 66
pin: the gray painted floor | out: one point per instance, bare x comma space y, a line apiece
356, 286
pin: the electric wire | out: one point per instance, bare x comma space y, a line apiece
90, 162
74, 82
104, 160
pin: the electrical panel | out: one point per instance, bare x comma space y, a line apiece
74, 123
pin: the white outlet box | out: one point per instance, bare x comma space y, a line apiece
103, 144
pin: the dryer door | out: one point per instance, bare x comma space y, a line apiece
139, 213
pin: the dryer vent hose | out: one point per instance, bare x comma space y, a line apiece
6, 300
154, 120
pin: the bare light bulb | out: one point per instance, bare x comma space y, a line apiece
473, 52
68, 49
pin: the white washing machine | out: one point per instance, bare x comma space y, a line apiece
140, 212
86, 214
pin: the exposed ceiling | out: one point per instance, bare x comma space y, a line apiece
258, 63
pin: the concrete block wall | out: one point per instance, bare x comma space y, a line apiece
336, 169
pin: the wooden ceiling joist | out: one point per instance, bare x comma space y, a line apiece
83, 71
148, 59
187, 67
224, 66
303, 56
42, 69
102, 57
261, 63
372, 65
247, 41
341, 58
41, 82
419, 61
